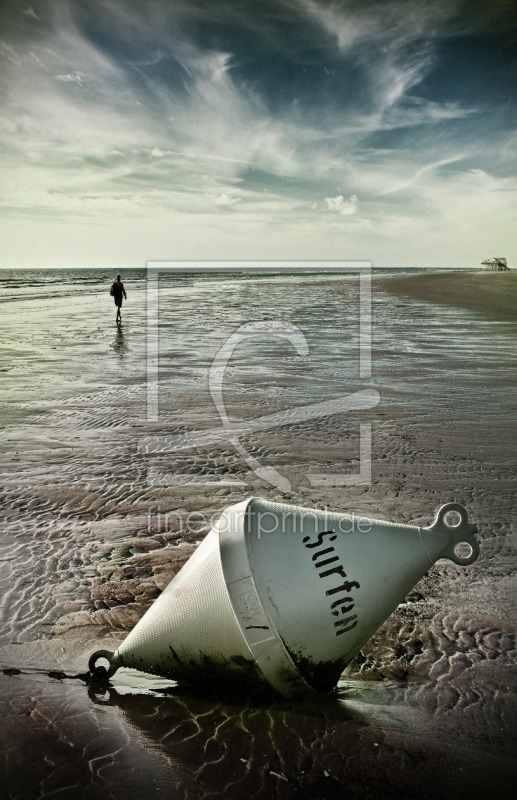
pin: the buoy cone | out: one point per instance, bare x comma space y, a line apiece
286, 596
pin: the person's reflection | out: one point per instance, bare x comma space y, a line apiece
120, 343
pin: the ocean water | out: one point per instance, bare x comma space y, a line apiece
104, 498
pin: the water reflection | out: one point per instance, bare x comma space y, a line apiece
246, 747
120, 344
330, 747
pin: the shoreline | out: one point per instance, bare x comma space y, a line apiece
493, 294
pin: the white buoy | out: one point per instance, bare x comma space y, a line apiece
286, 596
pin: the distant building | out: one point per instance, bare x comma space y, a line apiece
497, 264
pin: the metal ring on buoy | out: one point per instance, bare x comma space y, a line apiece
101, 673
463, 548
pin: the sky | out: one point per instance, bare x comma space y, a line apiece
179, 130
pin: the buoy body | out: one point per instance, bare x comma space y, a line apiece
286, 596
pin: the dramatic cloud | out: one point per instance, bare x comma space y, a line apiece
250, 130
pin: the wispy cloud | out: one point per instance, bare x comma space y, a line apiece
29, 12
170, 113
420, 172
71, 77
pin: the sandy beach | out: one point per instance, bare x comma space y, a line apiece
493, 294
94, 527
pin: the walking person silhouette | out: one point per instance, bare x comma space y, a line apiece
118, 292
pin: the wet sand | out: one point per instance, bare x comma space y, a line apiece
493, 294
427, 709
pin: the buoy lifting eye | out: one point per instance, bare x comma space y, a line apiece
101, 672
